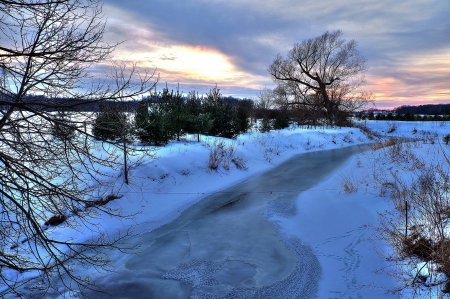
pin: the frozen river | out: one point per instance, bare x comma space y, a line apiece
225, 246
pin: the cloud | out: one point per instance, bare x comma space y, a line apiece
168, 57
247, 34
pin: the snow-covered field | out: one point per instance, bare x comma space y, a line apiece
337, 225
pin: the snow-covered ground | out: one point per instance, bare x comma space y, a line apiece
337, 225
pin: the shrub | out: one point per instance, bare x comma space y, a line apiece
349, 185
282, 120
55, 220
216, 153
417, 229
392, 127
348, 138
62, 127
221, 154
239, 163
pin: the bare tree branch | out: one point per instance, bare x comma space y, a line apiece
48, 48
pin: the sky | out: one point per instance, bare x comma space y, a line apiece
200, 43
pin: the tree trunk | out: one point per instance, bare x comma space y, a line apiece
125, 163
328, 105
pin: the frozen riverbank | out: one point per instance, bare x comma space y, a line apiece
225, 247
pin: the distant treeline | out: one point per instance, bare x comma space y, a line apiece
402, 117
40, 102
429, 109
43, 103
429, 112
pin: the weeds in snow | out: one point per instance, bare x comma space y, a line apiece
382, 144
348, 138
349, 184
418, 225
239, 163
446, 139
308, 144
222, 154
270, 145
392, 127
368, 132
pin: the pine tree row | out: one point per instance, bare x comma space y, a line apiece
168, 115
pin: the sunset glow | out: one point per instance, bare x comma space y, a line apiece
188, 64
419, 79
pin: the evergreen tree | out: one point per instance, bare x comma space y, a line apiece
223, 115
152, 122
110, 123
282, 120
175, 106
266, 124
63, 128
142, 120
197, 121
242, 121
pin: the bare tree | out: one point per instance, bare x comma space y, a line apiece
266, 99
281, 98
48, 47
327, 66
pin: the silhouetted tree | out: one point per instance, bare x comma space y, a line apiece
327, 67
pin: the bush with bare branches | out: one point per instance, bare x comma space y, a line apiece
418, 228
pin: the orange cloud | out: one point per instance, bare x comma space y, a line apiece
188, 64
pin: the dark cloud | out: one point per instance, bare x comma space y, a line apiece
168, 57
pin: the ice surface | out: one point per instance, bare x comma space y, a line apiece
225, 247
